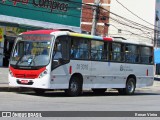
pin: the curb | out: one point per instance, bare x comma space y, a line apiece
13, 89
9, 89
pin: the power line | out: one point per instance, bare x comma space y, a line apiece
129, 21
135, 14
122, 22
133, 27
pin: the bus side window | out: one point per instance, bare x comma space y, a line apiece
131, 53
61, 51
146, 55
57, 51
105, 51
116, 51
127, 56
79, 48
97, 49
73, 51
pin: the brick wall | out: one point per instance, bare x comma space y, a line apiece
103, 17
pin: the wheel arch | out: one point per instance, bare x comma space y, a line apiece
78, 75
132, 76
75, 85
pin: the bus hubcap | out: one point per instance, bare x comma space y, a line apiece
74, 86
130, 86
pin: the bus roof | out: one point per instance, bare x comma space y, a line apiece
40, 32
66, 32
69, 33
90, 36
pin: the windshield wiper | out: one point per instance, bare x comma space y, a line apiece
33, 60
19, 60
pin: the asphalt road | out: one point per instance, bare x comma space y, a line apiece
147, 99
57, 101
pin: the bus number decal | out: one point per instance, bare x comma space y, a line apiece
82, 67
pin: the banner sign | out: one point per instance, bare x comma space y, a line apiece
1, 34
64, 12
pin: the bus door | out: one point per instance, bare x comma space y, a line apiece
60, 60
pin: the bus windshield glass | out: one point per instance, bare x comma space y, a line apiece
31, 50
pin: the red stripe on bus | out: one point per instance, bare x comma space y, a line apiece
70, 70
107, 39
31, 74
40, 32
147, 72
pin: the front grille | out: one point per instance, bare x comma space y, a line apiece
30, 76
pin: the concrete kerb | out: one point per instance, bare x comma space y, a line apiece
6, 88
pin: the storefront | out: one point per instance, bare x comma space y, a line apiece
21, 15
7, 38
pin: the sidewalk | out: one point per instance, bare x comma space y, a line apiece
3, 75
4, 87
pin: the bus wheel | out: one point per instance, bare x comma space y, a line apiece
39, 91
75, 87
99, 91
130, 87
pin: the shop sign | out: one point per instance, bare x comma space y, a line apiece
64, 12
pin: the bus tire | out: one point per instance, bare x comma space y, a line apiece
99, 91
130, 87
39, 91
75, 87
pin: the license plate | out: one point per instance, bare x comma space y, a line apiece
24, 81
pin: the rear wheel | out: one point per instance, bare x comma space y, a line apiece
75, 87
39, 91
130, 87
99, 91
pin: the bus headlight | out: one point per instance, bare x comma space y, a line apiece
10, 72
43, 74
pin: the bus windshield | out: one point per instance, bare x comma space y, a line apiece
31, 50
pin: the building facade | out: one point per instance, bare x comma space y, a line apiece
102, 16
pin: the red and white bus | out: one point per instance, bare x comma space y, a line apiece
54, 59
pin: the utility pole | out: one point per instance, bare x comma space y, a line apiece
156, 34
95, 16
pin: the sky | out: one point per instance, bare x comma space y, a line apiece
145, 9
